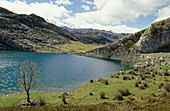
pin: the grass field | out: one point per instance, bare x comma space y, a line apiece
77, 47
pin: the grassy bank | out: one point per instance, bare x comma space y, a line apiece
78, 47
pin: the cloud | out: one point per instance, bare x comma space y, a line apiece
51, 12
163, 13
85, 7
63, 2
87, 2
118, 11
75, 23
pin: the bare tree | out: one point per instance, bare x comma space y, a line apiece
28, 76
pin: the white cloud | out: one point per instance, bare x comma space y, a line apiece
118, 11
63, 2
51, 12
85, 7
163, 13
87, 2
75, 23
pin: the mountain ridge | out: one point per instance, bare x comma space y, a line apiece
155, 38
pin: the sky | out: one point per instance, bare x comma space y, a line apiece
120, 16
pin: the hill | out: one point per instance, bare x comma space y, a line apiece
107, 34
33, 33
155, 38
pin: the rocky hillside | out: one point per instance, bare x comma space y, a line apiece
88, 36
29, 32
107, 34
155, 38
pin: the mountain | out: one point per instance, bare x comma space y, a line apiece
107, 34
155, 38
29, 32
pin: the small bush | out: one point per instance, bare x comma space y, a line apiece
132, 77
167, 87
102, 95
153, 75
90, 93
131, 98
116, 76
118, 96
136, 85
160, 85
145, 84
41, 101
106, 82
124, 91
165, 94
149, 99
127, 101
165, 79
135, 69
111, 76
91, 81
142, 78
124, 77
166, 73
141, 87
138, 82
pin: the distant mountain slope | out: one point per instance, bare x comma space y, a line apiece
155, 38
107, 34
29, 32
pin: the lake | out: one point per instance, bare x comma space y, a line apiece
58, 72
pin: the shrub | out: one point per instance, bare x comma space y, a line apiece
141, 87
118, 96
145, 84
135, 69
91, 81
90, 93
167, 87
102, 95
165, 79
132, 77
41, 101
138, 82
111, 76
160, 85
101, 80
165, 94
136, 85
131, 72
106, 82
124, 77
124, 91
149, 99
142, 78
127, 101
166, 73
116, 76
153, 75
131, 98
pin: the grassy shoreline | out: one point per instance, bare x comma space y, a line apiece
81, 98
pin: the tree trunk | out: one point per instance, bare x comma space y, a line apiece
28, 97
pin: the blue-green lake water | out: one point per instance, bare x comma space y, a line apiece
58, 72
